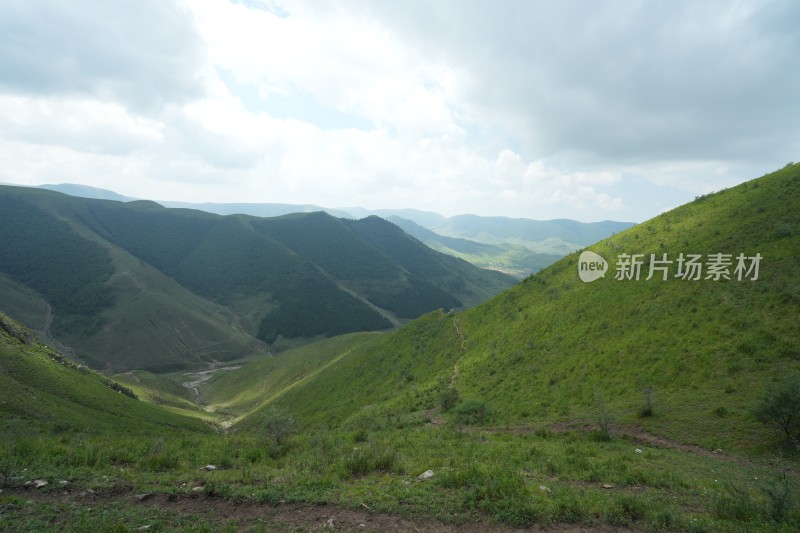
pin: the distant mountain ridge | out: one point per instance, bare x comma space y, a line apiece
138, 285
519, 246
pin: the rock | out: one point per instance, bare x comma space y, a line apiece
544, 489
608, 486
329, 523
637, 450
718, 450
143, 497
144, 528
197, 489
428, 474
209, 468
63, 482
36, 483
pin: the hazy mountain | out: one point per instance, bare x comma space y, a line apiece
514, 259
85, 191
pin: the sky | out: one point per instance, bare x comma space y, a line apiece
617, 110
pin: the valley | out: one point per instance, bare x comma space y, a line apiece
548, 404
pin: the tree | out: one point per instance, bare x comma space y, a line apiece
278, 424
780, 407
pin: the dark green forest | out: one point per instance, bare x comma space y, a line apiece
46, 254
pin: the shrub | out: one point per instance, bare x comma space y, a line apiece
603, 418
780, 498
648, 397
362, 461
472, 412
449, 399
780, 407
278, 425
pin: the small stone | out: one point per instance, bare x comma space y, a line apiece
143, 497
144, 528
209, 468
637, 450
329, 523
428, 474
608, 486
38, 483
197, 489
718, 450
63, 482
544, 489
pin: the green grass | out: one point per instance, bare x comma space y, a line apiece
514, 479
43, 388
241, 391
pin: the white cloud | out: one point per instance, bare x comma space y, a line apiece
82, 124
534, 109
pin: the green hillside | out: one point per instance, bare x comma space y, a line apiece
456, 276
239, 392
42, 388
333, 246
551, 349
138, 286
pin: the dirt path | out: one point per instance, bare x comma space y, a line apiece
634, 434
463, 348
249, 515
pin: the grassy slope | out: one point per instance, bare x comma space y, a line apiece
544, 351
241, 391
157, 324
40, 386
165, 392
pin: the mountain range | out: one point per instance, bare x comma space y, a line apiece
517, 246
138, 285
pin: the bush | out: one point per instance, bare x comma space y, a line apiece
362, 461
278, 425
780, 407
648, 397
472, 412
603, 418
449, 399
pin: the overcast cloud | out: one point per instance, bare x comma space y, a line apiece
571, 109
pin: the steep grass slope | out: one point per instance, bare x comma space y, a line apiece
43, 388
557, 350
239, 392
